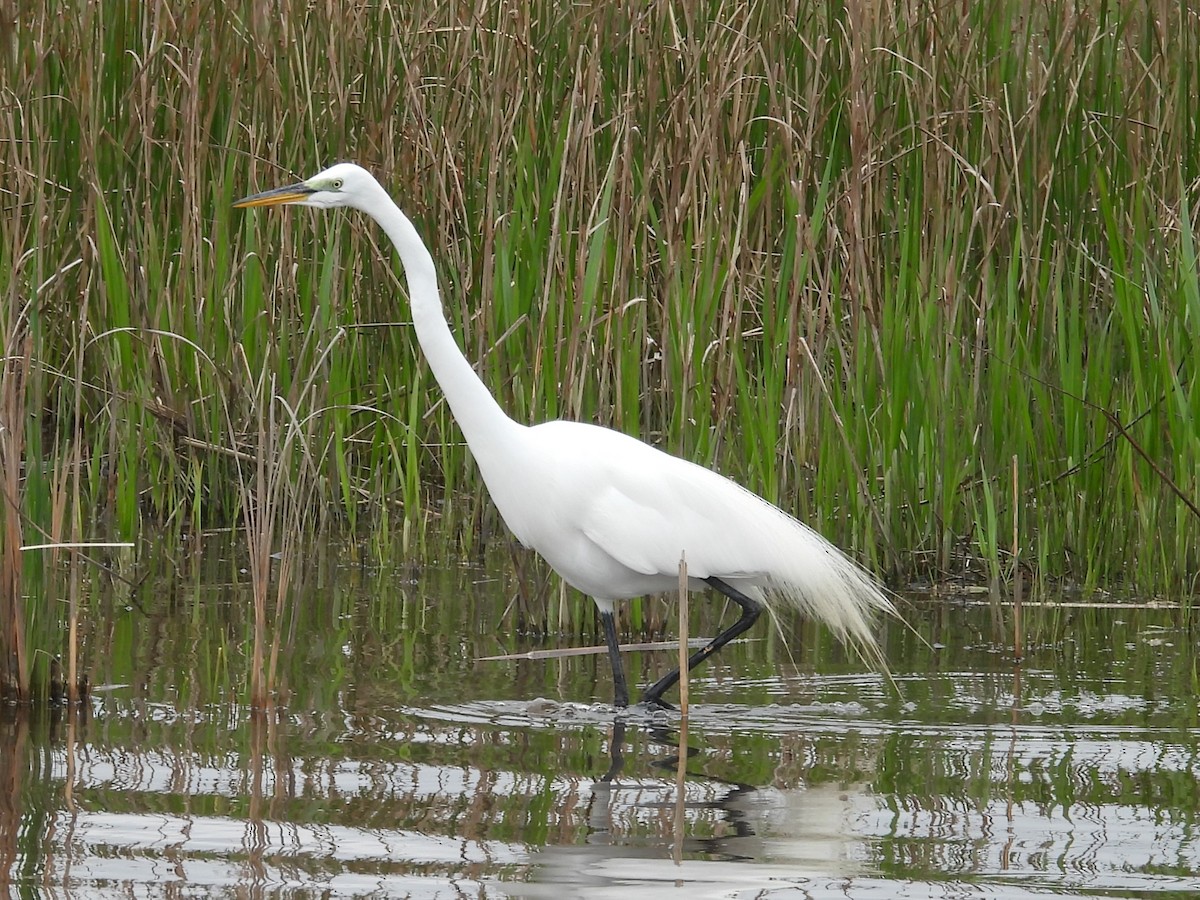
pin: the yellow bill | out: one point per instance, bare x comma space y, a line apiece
292, 193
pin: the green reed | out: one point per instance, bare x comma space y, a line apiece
859, 262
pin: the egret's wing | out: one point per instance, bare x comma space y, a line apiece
631, 532
647, 523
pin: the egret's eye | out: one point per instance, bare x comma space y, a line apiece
337, 184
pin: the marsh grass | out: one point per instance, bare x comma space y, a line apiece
855, 256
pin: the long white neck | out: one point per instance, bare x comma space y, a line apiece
480, 417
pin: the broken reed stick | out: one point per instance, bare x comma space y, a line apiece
681, 764
683, 636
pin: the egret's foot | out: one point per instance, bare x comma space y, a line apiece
656, 702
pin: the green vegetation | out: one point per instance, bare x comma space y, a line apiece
861, 262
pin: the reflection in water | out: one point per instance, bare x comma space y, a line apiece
727, 824
294, 811
407, 768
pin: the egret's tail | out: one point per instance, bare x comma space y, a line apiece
822, 583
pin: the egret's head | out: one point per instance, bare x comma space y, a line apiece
342, 185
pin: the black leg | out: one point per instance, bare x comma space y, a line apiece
620, 691
751, 610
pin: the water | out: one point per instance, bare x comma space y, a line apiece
401, 765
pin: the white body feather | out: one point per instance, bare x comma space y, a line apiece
613, 516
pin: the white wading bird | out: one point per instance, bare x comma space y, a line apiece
612, 515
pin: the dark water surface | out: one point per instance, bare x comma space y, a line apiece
401, 765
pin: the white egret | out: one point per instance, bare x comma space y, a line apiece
611, 514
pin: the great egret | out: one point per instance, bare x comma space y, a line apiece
611, 514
